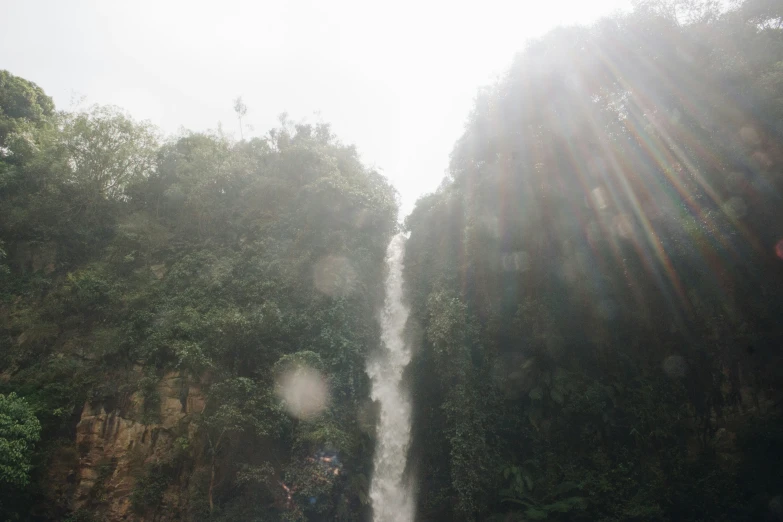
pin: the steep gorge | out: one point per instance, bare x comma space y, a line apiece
581, 323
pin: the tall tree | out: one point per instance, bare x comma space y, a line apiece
241, 109
19, 431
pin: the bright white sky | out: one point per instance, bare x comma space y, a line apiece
395, 78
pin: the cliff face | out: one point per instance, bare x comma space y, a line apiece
115, 448
241, 260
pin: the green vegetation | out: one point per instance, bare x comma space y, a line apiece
595, 290
130, 258
596, 284
19, 430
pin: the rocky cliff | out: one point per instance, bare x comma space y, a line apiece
116, 448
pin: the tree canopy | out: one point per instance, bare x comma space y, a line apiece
19, 431
131, 257
597, 282
595, 293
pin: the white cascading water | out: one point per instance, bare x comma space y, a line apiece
389, 491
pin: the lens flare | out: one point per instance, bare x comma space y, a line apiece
735, 208
304, 392
334, 276
750, 136
779, 249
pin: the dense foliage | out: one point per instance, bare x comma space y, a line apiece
129, 258
596, 287
595, 290
19, 430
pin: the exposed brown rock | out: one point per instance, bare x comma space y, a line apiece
115, 449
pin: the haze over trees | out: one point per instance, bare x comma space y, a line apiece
595, 297
130, 256
597, 283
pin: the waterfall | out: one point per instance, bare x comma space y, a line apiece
389, 492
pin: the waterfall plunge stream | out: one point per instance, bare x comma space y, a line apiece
390, 492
